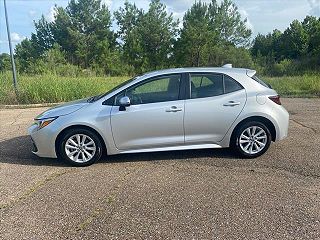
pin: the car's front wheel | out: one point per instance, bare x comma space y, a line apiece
80, 147
251, 140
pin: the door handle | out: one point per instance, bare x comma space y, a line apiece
174, 109
231, 104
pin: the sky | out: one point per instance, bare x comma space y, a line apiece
263, 15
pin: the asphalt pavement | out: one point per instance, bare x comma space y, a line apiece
198, 194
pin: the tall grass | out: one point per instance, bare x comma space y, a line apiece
51, 88
296, 86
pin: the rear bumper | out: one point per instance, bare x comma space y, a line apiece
282, 118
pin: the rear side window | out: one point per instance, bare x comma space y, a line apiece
206, 85
230, 85
261, 82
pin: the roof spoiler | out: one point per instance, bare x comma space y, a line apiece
251, 73
229, 65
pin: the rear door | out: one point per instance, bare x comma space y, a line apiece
215, 101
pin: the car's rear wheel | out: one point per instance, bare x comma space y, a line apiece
80, 147
251, 140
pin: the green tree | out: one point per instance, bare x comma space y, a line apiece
61, 30
26, 54
295, 50
82, 30
52, 61
196, 37
261, 45
208, 28
158, 31
296, 40
147, 37
43, 39
129, 19
86, 24
223, 54
225, 20
268, 49
311, 26
29, 50
5, 63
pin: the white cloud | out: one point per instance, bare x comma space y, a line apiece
108, 3
32, 13
176, 15
315, 7
50, 16
181, 5
16, 37
245, 15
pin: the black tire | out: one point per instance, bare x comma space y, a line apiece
82, 131
235, 140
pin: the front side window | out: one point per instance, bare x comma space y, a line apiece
160, 89
206, 85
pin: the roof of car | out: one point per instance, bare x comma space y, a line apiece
201, 69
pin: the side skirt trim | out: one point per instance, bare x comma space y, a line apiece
184, 147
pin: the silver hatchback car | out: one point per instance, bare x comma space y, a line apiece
174, 109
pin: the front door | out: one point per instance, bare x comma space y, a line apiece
154, 118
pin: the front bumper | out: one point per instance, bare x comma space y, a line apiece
43, 141
34, 146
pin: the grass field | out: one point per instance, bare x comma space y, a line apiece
48, 89
297, 86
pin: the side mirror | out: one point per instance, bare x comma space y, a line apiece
124, 102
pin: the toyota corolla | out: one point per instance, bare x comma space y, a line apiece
173, 109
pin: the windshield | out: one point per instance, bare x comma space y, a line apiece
97, 97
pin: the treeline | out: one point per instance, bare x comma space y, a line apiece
81, 40
294, 51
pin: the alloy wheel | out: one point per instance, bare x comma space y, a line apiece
80, 148
253, 140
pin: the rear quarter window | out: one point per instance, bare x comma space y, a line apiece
261, 82
230, 85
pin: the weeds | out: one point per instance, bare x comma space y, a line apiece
52, 88
297, 86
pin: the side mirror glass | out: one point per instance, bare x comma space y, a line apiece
124, 101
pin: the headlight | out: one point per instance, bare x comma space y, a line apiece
41, 123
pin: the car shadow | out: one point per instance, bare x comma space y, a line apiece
18, 151
169, 155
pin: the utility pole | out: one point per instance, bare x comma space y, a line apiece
14, 74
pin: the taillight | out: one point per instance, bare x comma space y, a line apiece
275, 99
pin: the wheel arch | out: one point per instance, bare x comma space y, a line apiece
60, 135
261, 119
